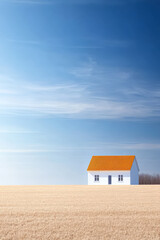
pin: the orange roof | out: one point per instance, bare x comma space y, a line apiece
103, 163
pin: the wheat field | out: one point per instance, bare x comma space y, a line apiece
80, 212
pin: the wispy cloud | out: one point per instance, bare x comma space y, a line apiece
90, 69
79, 100
25, 150
131, 146
20, 41
90, 43
16, 131
93, 147
87, 69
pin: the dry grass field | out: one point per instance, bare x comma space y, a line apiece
80, 212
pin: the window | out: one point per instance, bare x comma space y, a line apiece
120, 178
96, 178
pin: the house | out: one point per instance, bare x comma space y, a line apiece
113, 170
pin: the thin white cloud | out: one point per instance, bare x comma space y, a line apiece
25, 150
86, 70
93, 147
91, 43
143, 146
19, 41
6, 91
90, 69
16, 131
78, 100
131, 146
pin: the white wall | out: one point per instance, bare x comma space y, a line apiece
103, 177
134, 174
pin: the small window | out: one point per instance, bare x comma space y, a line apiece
120, 178
96, 178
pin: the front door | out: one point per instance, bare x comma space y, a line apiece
109, 179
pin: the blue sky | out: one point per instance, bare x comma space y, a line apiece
77, 78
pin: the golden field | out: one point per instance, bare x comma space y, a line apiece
80, 212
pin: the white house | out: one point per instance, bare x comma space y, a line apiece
113, 170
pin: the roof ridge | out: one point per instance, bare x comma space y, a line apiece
116, 156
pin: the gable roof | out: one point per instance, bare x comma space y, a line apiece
110, 163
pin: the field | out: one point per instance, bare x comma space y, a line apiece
80, 212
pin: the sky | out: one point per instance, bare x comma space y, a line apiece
77, 78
